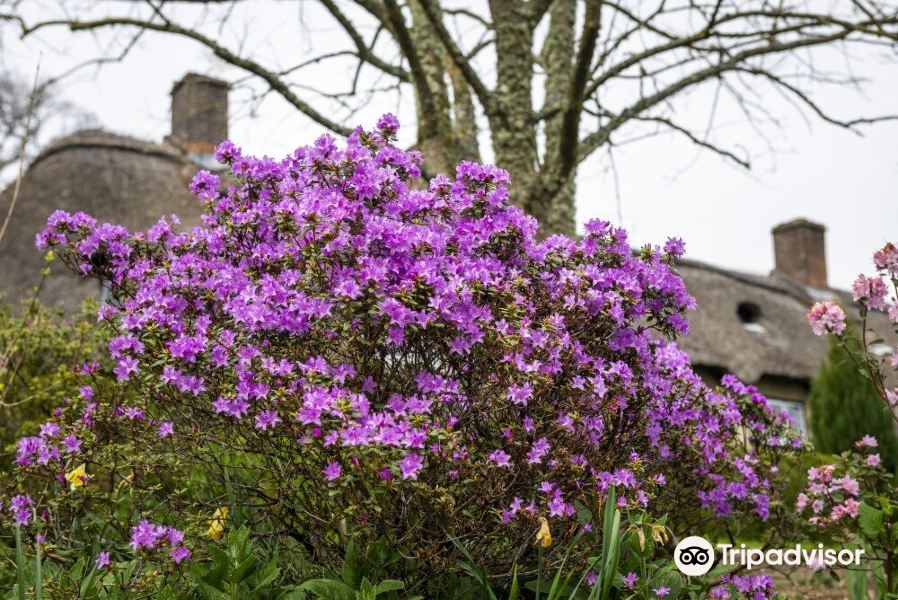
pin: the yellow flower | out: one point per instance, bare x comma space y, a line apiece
217, 524
544, 536
77, 477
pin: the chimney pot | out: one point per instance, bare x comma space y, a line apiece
199, 113
799, 249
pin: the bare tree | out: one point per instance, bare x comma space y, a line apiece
551, 81
23, 109
29, 115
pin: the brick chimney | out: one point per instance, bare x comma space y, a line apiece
199, 113
800, 252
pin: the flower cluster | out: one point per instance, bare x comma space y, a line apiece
363, 338
855, 496
827, 317
749, 587
20, 508
148, 536
829, 498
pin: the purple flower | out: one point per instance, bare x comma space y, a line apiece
102, 560
520, 394
630, 580
868, 441
388, 125
205, 185
180, 554
333, 471
133, 413
538, 450
146, 535
500, 458
267, 419
126, 367
410, 465
675, 246
49, 430
166, 428
72, 444
20, 507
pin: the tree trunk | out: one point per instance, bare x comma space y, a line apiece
557, 214
435, 139
513, 130
464, 117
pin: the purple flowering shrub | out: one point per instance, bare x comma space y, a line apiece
343, 353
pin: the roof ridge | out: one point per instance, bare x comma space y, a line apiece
776, 283
98, 138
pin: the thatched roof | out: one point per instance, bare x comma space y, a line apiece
111, 177
777, 341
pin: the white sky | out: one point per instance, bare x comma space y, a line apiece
664, 186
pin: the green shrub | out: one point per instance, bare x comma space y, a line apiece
40, 349
845, 406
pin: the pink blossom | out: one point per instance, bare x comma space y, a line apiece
870, 291
886, 259
867, 441
827, 317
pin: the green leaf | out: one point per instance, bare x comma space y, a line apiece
329, 589
515, 586
870, 521
388, 585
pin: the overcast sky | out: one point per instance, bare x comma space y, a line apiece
663, 186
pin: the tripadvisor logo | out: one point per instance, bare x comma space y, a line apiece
694, 556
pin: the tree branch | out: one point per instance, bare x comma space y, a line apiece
221, 52
362, 49
596, 139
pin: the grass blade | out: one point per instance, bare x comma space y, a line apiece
20, 564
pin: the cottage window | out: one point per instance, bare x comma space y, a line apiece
881, 349
795, 410
749, 314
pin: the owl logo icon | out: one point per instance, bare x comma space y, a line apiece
694, 556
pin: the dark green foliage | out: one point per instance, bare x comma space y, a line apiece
40, 350
844, 405
238, 572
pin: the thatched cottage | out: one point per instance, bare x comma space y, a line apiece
115, 178
755, 326
751, 325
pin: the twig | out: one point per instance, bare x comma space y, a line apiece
18, 184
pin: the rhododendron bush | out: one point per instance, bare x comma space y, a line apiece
343, 353
856, 499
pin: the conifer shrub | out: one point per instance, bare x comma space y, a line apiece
845, 406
